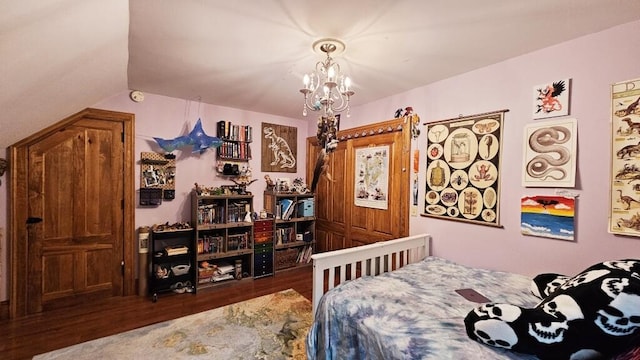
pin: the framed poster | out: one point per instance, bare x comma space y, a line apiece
551, 99
463, 168
279, 148
624, 214
548, 216
372, 177
550, 153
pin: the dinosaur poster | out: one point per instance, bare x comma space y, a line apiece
551, 99
550, 153
279, 148
624, 215
463, 168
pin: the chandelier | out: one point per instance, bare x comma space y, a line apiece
326, 89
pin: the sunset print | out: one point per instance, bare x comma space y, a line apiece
548, 216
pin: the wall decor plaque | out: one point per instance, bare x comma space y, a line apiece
463, 168
279, 148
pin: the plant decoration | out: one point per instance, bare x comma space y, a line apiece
197, 138
3, 167
328, 141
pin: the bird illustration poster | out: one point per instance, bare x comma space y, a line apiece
463, 168
551, 99
624, 213
550, 153
548, 216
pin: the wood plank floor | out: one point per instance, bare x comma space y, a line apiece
23, 338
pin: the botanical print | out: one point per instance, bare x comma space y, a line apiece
550, 153
548, 216
551, 99
372, 177
624, 217
463, 167
279, 148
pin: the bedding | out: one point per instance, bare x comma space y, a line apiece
412, 313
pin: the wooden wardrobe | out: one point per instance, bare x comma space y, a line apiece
340, 222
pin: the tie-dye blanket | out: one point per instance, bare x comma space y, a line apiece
411, 313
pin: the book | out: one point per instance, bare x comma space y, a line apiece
287, 206
176, 250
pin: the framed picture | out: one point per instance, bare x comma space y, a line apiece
279, 148
624, 212
551, 99
463, 168
372, 177
548, 216
550, 153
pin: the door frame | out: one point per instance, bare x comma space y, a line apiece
18, 204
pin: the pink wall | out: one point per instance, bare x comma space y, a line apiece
165, 117
593, 63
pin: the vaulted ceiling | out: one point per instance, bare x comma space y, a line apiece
60, 56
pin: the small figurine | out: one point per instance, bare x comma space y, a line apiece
271, 185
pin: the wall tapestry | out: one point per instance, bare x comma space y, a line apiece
548, 216
279, 148
372, 177
463, 168
551, 99
624, 217
550, 153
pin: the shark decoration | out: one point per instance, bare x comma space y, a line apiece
197, 138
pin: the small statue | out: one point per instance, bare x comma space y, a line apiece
271, 185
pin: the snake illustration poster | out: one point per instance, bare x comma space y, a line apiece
549, 153
463, 168
624, 216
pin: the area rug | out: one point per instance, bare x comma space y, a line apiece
269, 327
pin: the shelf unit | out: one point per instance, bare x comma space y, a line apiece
294, 230
169, 272
235, 151
224, 240
263, 248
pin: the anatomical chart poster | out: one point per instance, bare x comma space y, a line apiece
550, 153
624, 217
463, 168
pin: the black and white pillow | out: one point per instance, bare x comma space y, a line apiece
592, 314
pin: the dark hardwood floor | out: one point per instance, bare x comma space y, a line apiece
25, 337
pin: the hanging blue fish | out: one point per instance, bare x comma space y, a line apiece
197, 138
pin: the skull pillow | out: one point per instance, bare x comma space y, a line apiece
593, 314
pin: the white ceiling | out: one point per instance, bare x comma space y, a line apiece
60, 56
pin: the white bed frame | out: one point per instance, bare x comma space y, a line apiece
367, 260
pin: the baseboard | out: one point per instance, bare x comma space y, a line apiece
4, 310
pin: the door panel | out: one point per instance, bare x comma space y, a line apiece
73, 184
73, 187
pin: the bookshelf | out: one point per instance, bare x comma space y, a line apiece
235, 151
172, 262
294, 228
224, 240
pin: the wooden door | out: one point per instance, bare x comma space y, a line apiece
340, 223
75, 214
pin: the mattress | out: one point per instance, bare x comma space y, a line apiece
412, 313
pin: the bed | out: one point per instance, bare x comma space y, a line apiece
403, 304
